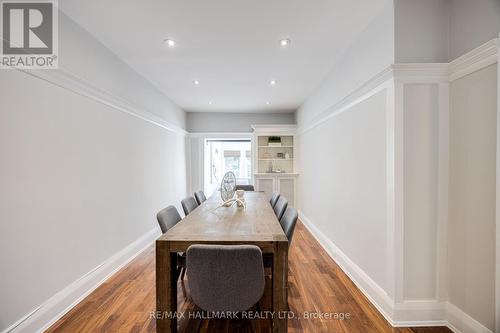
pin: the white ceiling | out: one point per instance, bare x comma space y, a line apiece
230, 46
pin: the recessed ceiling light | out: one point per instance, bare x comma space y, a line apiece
170, 42
273, 82
285, 42
268, 103
210, 102
196, 82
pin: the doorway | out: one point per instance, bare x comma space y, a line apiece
223, 155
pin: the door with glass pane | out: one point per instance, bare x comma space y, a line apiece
226, 155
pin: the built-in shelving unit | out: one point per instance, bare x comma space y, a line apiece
274, 159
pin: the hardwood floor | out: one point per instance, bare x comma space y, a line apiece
125, 302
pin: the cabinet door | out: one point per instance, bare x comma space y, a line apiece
286, 188
266, 184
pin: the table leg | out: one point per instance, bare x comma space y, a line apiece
166, 289
280, 287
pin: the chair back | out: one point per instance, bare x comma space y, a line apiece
280, 207
245, 187
225, 277
274, 199
188, 205
167, 218
200, 197
288, 222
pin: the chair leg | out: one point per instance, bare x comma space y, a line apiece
183, 273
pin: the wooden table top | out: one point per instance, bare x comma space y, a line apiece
256, 223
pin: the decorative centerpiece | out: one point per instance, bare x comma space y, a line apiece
227, 190
274, 141
240, 194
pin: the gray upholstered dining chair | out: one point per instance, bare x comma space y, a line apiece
188, 205
274, 199
167, 218
200, 197
280, 207
245, 187
288, 223
225, 277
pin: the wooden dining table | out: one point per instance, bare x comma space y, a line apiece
207, 224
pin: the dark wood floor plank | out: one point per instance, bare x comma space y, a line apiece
316, 284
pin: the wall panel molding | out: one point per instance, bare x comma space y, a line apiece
418, 313
497, 273
66, 80
392, 80
481, 57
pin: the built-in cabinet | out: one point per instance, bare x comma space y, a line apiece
275, 160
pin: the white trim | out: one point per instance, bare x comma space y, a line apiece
481, 57
459, 321
421, 73
396, 190
66, 80
497, 280
410, 313
221, 135
375, 294
274, 128
59, 304
371, 87
416, 313
443, 190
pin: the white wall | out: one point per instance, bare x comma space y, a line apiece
80, 180
471, 242
472, 23
219, 122
421, 31
439, 264
421, 162
371, 53
342, 148
81, 55
342, 167
439, 31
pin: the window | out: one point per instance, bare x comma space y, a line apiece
226, 155
232, 161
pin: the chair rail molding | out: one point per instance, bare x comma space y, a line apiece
64, 79
481, 57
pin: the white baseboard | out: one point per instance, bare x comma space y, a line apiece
461, 322
377, 296
55, 307
410, 313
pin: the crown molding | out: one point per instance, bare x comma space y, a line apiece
481, 57
270, 128
375, 84
421, 72
71, 82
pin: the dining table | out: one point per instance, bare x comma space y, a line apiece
255, 224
